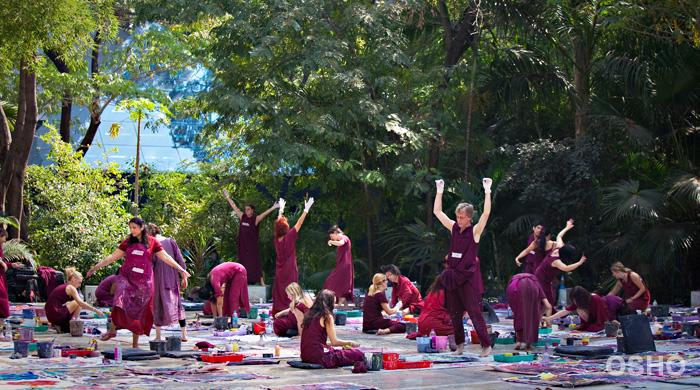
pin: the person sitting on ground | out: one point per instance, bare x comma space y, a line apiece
403, 290
64, 303
375, 304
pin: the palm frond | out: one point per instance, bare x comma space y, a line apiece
16, 250
626, 200
521, 225
9, 221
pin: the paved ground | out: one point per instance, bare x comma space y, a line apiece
476, 375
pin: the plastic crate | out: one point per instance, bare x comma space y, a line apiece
505, 340
354, 313
545, 331
223, 358
513, 358
75, 352
390, 356
390, 364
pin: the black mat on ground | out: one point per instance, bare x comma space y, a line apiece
254, 362
584, 351
133, 354
307, 366
182, 354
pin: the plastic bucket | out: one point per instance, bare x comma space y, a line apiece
441, 343
157, 346
22, 348
26, 334
423, 344
341, 318
221, 323
76, 328
173, 343
45, 349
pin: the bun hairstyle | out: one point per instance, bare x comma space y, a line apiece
377, 281
72, 272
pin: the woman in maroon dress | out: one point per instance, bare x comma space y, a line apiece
375, 304
435, 315
536, 249
167, 301
285, 242
403, 290
234, 297
526, 298
64, 302
341, 279
288, 321
318, 328
104, 294
462, 277
593, 309
248, 234
133, 296
635, 292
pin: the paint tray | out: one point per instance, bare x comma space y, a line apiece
41, 328
354, 313
223, 358
502, 358
76, 352
549, 341
420, 364
505, 340
545, 331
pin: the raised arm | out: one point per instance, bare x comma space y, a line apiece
481, 225
568, 268
336, 243
307, 206
116, 255
560, 236
72, 292
559, 314
267, 212
230, 201
437, 206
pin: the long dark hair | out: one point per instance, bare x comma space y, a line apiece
206, 292
581, 297
568, 253
542, 239
323, 307
144, 233
437, 285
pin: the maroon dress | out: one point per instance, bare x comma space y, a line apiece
286, 326
629, 288
463, 284
341, 279
167, 301
600, 309
548, 276
56, 311
286, 270
525, 297
534, 258
133, 296
313, 342
233, 275
408, 294
435, 316
248, 250
103, 293
372, 318
4, 298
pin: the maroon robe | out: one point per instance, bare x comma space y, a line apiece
534, 258
56, 311
408, 294
167, 301
233, 275
288, 322
4, 298
629, 288
103, 293
600, 309
435, 315
341, 279
248, 250
548, 276
286, 270
372, 318
463, 284
525, 297
313, 342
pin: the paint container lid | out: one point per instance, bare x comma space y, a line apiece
267, 355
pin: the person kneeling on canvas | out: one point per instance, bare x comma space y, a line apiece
593, 309
375, 304
318, 328
64, 303
287, 321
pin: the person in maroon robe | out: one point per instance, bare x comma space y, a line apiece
592, 309
133, 296
4, 297
553, 265
375, 304
285, 242
528, 302
104, 294
318, 329
288, 321
64, 302
248, 235
635, 291
403, 290
462, 277
537, 251
234, 297
435, 315
341, 279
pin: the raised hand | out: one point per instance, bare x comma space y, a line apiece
440, 186
308, 203
570, 223
486, 182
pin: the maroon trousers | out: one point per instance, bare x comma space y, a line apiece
465, 298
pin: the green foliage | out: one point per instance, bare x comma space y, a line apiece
17, 251
77, 212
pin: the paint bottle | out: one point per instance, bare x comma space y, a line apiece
234, 319
277, 350
117, 352
234, 347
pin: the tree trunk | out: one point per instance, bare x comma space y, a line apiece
582, 89
66, 108
15, 164
5, 136
370, 232
470, 108
95, 109
136, 171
